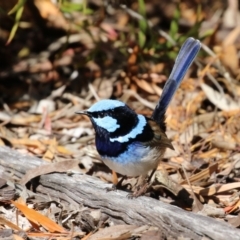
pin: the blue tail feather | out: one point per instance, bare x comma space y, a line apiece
186, 55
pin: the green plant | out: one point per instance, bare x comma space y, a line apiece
18, 10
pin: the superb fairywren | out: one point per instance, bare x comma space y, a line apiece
132, 144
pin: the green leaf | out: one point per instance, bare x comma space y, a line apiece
174, 27
141, 39
142, 10
70, 7
207, 33
143, 25
16, 24
19, 4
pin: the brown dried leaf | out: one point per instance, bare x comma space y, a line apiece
162, 178
38, 218
2, 142
206, 173
229, 57
63, 166
153, 235
50, 153
231, 38
114, 232
51, 14
16, 237
231, 209
221, 101
63, 150
212, 154
104, 87
133, 56
20, 120
223, 143
11, 225
227, 186
144, 85
29, 143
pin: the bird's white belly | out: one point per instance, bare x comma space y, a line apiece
137, 160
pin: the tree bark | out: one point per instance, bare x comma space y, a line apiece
90, 191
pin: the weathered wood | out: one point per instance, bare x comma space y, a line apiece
90, 191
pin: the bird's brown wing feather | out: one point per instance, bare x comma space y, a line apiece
160, 139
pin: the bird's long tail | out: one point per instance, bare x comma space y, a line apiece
186, 55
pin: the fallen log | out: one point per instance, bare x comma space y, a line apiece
90, 191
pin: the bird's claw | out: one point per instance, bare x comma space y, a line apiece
113, 188
139, 192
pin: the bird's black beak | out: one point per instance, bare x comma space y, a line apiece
83, 113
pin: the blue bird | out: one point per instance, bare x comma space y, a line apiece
132, 144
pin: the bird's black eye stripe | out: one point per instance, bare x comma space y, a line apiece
102, 114
94, 114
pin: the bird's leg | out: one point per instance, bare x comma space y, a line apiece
151, 175
144, 186
119, 184
116, 186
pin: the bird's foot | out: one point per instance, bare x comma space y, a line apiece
139, 192
118, 185
113, 188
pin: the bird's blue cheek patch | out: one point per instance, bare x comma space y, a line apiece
108, 123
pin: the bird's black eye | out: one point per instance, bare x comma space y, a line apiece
102, 114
